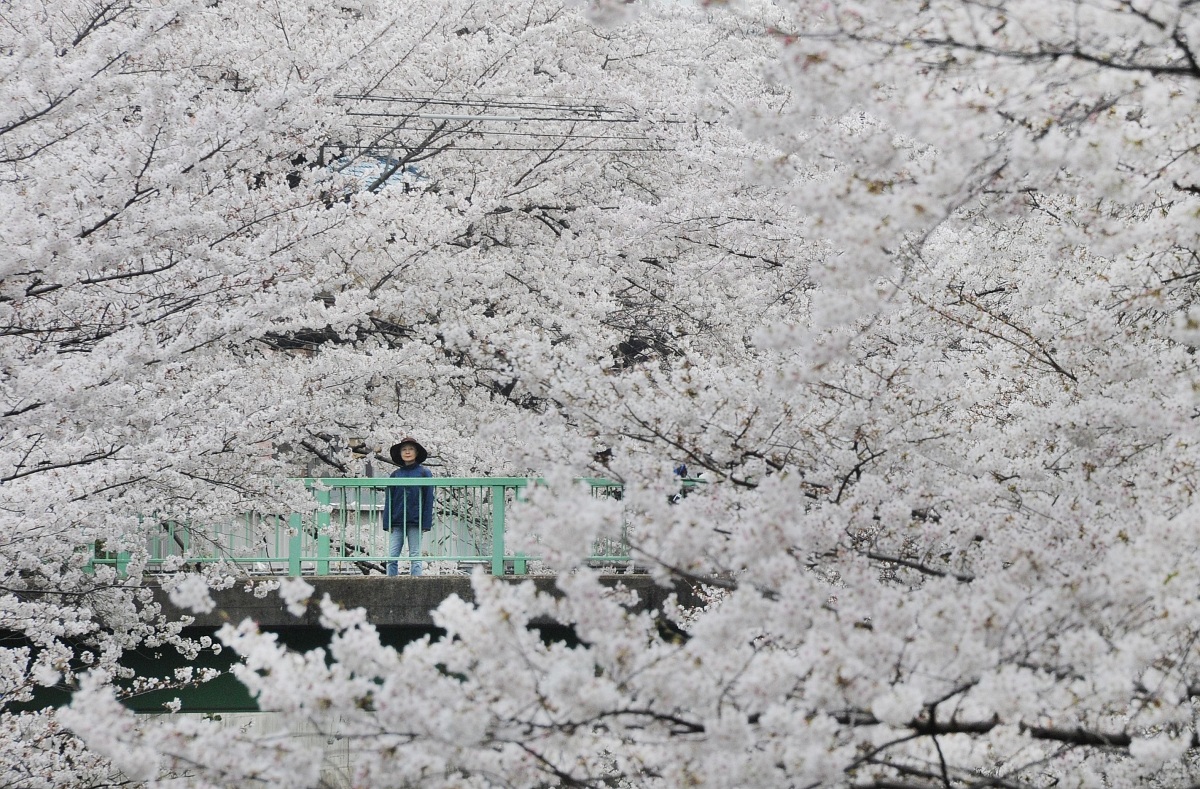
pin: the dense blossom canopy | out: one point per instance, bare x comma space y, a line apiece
911, 283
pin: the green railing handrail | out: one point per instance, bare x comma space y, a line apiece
437, 482
475, 508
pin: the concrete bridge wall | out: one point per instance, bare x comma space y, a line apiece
402, 601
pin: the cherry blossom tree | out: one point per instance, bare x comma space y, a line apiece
925, 324
201, 300
153, 233
991, 399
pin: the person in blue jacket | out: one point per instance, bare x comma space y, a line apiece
408, 510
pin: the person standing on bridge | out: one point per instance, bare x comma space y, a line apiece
408, 510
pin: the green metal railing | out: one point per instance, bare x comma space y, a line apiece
344, 534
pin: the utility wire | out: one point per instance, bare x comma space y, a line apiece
537, 120
495, 133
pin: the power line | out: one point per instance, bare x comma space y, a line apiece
595, 109
380, 122
495, 118
550, 134
382, 148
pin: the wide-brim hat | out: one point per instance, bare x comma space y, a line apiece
395, 452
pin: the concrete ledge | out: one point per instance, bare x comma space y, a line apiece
393, 602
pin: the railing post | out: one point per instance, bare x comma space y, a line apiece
174, 531
322, 554
323, 532
497, 529
122, 563
294, 544
520, 560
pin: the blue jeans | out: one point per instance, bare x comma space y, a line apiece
397, 541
